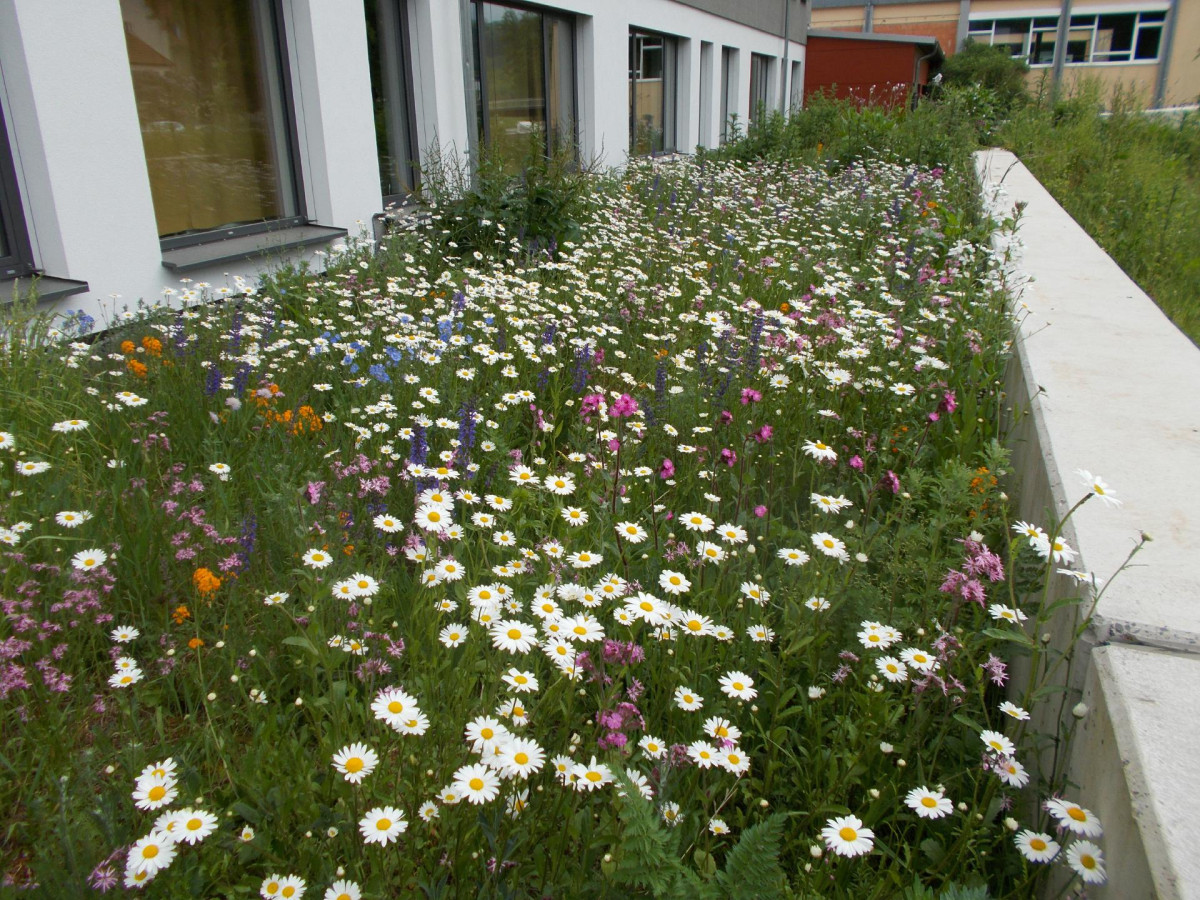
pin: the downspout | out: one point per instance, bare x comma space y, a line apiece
1060, 48
869, 17
787, 46
1164, 52
917, 74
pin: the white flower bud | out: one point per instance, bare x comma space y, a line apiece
1079, 710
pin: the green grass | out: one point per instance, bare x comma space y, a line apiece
1132, 181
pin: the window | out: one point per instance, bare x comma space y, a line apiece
651, 93
728, 67
706, 90
524, 81
213, 101
1096, 38
759, 67
391, 91
15, 256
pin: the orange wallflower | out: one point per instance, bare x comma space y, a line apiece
153, 345
128, 347
206, 582
136, 367
181, 614
195, 643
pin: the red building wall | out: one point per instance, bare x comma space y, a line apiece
862, 69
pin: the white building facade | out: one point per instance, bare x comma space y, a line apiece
144, 142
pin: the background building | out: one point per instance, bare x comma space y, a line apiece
146, 141
1149, 46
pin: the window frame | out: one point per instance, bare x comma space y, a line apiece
670, 81
483, 126
403, 35
982, 29
18, 261
277, 46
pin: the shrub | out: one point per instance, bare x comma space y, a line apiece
989, 67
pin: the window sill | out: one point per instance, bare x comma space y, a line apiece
46, 288
183, 259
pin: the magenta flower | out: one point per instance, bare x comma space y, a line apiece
623, 406
763, 434
760, 511
749, 395
668, 469
729, 457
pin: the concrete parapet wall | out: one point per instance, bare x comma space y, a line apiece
1102, 380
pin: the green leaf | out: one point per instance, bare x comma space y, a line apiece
1017, 637
302, 642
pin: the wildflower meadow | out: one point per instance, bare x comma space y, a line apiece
672, 560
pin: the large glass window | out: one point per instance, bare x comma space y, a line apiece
651, 93
1091, 38
524, 80
728, 62
759, 65
387, 50
212, 99
15, 256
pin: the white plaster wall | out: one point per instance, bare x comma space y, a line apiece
68, 98
335, 116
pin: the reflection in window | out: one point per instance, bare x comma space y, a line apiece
387, 51
1096, 38
210, 96
525, 81
758, 85
651, 93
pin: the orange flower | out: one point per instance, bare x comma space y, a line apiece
784, 307
128, 347
181, 615
206, 582
136, 367
195, 643
153, 345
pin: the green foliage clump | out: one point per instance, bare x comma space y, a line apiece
538, 200
990, 68
1131, 179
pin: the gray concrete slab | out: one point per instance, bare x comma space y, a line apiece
1114, 388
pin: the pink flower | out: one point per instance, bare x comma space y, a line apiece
760, 511
667, 470
749, 395
856, 463
729, 457
623, 406
763, 434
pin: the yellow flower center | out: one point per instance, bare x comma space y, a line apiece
157, 792
848, 834
383, 824
828, 543
1077, 814
1087, 860
1037, 844
289, 891
521, 758
695, 625
593, 776
395, 707
476, 784
354, 764
486, 733
928, 802
195, 824
434, 516
738, 686
150, 851
514, 634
